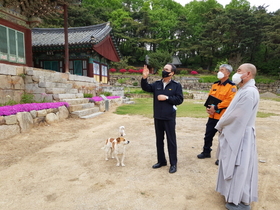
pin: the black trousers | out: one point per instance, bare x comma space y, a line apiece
167, 126
209, 135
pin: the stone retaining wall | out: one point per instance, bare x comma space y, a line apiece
188, 83
24, 121
43, 84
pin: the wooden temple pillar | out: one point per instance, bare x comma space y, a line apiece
66, 46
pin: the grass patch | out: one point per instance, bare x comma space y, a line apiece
192, 108
208, 79
264, 114
137, 90
189, 108
273, 99
144, 107
134, 90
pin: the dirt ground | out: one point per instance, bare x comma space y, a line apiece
62, 167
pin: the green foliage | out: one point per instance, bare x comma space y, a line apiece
27, 98
106, 93
183, 72
219, 63
22, 75
135, 83
122, 80
88, 95
158, 59
9, 103
201, 33
123, 64
207, 79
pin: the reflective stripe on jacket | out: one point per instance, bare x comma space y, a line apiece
224, 91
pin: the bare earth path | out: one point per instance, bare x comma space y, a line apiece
62, 167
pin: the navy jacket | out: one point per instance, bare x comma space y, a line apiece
164, 110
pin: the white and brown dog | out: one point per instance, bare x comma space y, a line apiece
115, 147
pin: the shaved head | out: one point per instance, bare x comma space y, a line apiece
250, 68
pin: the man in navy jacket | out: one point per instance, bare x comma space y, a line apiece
167, 95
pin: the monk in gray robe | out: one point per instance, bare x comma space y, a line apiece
237, 153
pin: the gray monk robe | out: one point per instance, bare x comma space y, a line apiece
237, 152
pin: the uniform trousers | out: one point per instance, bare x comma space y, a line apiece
167, 126
209, 135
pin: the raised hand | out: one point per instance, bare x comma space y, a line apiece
145, 72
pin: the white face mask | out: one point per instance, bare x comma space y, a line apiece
220, 75
236, 78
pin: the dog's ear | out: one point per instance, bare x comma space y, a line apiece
118, 139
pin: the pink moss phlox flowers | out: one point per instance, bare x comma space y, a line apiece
11, 110
98, 98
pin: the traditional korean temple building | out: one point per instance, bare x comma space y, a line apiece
91, 49
17, 17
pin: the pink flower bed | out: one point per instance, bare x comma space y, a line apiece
127, 71
123, 70
98, 98
194, 72
11, 110
135, 71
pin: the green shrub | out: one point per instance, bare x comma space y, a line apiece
135, 83
183, 72
88, 95
131, 67
27, 98
106, 93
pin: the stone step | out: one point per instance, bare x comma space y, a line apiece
75, 101
130, 102
84, 112
76, 107
92, 115
61, 97
126, 100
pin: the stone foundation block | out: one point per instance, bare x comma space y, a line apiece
8, 131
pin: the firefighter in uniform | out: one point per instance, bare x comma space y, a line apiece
167, 95
224, 90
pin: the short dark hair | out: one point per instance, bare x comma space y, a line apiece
173, 67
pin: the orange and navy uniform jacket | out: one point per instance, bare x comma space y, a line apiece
225, 92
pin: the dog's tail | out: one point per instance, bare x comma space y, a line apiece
121, 130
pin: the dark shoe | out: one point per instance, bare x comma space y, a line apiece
172, 169
158, 165
231, 206
217, 162
203, 155
240, 206
245, 207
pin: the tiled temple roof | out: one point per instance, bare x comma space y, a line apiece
77, 35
